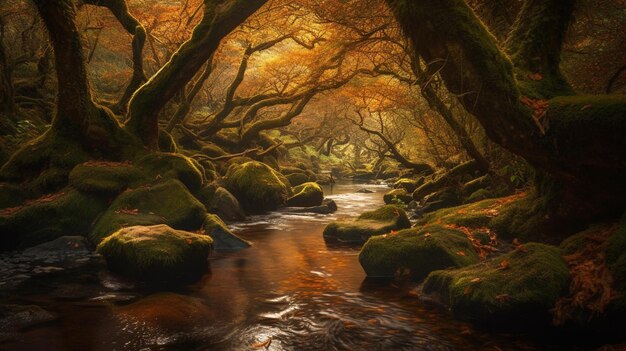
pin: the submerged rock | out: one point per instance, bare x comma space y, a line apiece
16, 317
257, 186
364, 191
519, 288
380, 221
416, 252
327, 206
164, 203
168, 312
157, 254
306, 195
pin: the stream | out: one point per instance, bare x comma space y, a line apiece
290, 291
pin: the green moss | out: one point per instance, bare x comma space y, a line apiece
223, 238
67, 212
287, 170
306, 195
164, 203
397, 195
213, 150
296, 179
157, 254
173, 166
416, 252
408, 184
479, 195
105, 177
472, 215
257, 186
225, 205
380, 221
524, 291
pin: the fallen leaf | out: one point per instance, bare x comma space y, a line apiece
503, 297
504, 264
266, 344
460, 253
535, 76
586, 107
475, 280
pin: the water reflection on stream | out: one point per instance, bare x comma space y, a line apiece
290, 288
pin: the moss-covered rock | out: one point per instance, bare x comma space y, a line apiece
68, 212
226, 205
396, 196
416, 252
157, 254
105, 177
213, 150
173, 166
377, 222
223, 238
287, 170
164, 203
296, 179
11, 195
408, 184
518, 288
257, 186
479, 195
306, 195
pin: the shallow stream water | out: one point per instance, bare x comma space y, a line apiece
289, 291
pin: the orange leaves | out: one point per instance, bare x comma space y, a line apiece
588, 106
503, 298
504, 264
476, 280
519, 246
539, 108
133, 212
535, 76
461, 253
482, 249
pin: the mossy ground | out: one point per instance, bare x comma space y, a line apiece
156, 254
164, 203
416, 252
257, 186
519, 288
306, 195
380, 221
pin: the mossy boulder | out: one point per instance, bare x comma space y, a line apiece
306, 195
223, 238
164, 203
173, 166
416, 252
518, 288
381, 221
257, 186
67, 212
296, 179
105, 177
287, 170
157, 254
396, 196
226, 205
408, 184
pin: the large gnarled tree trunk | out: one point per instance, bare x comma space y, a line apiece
524, 104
